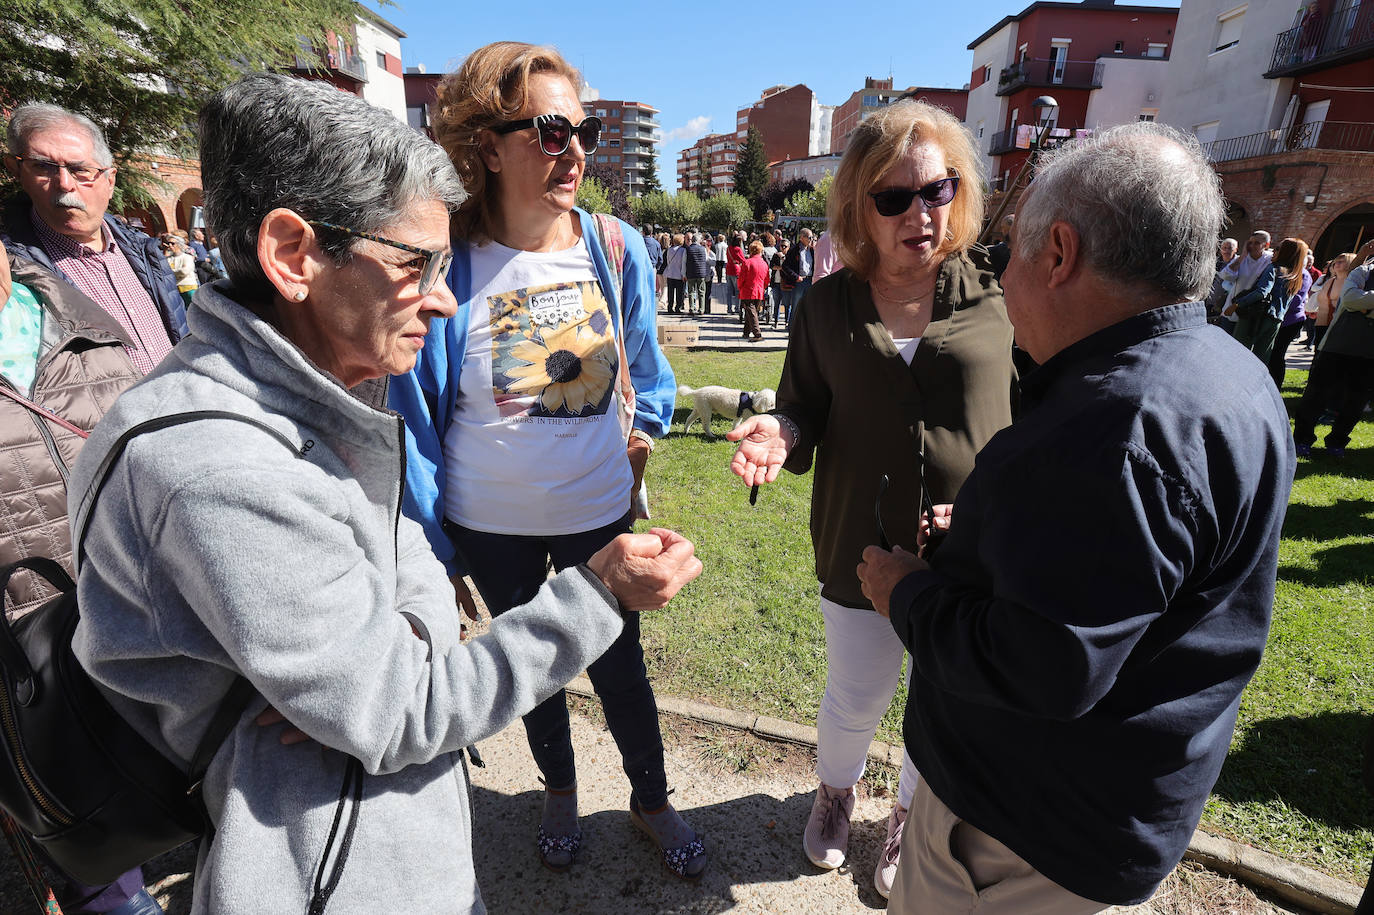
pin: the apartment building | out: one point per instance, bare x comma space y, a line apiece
1103, 63
707, 167
791, 120
629, 138
879, 93
1279, 97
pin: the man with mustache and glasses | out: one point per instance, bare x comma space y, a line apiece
64, 166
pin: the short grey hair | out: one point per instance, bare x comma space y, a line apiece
1145, 202
1260, 233
37, 117
1230, 241
270, 141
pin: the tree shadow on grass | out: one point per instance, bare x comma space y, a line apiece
1335, 565
1311, 764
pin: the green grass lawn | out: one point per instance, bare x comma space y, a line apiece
748, 633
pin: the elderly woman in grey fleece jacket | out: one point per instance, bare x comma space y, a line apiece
215, 552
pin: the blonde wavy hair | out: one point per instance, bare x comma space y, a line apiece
488, 90
874, 149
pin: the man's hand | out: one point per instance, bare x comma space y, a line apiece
944, 514
644, 571
880, 572
763, 447
1365, 253
463, 596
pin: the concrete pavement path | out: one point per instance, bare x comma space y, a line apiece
750, 797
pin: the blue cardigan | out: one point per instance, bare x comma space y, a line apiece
427, 395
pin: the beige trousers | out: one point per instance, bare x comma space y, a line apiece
948, 866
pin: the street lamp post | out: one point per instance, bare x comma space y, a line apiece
1045, 107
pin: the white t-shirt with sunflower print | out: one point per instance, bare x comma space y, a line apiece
535, 447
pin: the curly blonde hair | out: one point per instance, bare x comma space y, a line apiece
488, 90
874, 149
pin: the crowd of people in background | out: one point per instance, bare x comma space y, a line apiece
687, 261
371, 272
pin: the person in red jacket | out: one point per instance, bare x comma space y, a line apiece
734, 257
753, 280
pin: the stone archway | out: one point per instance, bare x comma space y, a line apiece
1351, 228
1237, 223
190, 198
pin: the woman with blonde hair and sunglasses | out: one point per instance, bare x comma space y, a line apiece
517, 459
898, 370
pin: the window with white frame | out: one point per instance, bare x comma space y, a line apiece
1228, 29
1156, 49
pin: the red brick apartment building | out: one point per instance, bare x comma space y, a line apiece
878, 93
788, 118
707, 167
1103, 63
1282, 103
629, 139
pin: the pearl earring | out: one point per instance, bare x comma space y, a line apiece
299, 296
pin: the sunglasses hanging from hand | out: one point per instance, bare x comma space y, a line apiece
556, 132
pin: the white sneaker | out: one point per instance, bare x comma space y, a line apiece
827, 831
886, 871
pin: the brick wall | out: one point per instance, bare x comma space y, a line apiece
1271, 193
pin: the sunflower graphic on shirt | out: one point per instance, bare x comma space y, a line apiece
553, 350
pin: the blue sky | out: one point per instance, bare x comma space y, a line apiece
699, 63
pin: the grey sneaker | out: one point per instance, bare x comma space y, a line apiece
827, 831
886, 871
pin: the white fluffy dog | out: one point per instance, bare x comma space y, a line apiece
714, 400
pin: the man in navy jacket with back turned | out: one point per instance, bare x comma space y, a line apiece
1081, 638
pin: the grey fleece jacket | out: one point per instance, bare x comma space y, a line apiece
214, 551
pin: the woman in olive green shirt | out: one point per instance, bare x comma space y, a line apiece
899, 367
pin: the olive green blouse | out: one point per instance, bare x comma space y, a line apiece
862, 412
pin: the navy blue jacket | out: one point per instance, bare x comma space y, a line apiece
143, 253
697, 267
655, 251
1103, 596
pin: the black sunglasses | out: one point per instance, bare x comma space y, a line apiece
556, 132
897, 200
934, 536
435, 262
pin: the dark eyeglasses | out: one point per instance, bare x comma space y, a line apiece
43, 168
431, 271
897, 200
934, 536
556, 132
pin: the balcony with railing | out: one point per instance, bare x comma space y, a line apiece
1003, 142
1039, 71
1344, 136
1346, 35
314, 59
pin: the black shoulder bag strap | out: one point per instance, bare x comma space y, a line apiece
241, 692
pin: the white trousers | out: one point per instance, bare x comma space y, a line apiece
864, 659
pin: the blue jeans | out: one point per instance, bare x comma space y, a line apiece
798, 291
732, 303
508, 570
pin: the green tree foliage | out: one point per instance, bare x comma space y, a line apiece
751, 171
684, 210
651, 176
812, 202
671, 212
142, 68
778, 192
725, 212
592, 196
613, 187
